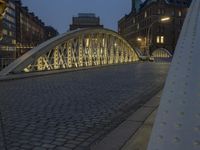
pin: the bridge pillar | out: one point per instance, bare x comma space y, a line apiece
177, 125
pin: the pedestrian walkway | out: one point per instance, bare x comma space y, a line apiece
73, 110
134, 133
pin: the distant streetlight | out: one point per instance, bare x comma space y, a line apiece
139, 39
163, 19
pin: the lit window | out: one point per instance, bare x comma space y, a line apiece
10, 33
5, 32
179, 13
158, 39
138, 26
133, 20
13, 41
162, 39
145, 14
159, 11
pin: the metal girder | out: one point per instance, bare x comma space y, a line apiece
81, 48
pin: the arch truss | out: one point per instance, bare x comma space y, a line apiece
82, 48
161, 53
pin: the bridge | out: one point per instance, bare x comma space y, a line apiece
94, 82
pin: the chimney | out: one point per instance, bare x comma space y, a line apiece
136, 5
133, 5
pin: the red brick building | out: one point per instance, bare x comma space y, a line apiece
144, 17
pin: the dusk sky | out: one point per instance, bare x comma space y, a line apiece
59, 13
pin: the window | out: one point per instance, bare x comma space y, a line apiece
138, 26
145, 14
159, 11
10, 33
13, 41
160, 39
133, 20
162, 11
5, 32
179, 13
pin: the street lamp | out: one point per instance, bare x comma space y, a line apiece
163, 19
3, 5
139, 39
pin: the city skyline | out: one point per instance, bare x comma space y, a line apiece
59, 15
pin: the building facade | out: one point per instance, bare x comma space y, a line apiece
21, 31
85, 20
8, 29
142, 28
30, 30
50, 32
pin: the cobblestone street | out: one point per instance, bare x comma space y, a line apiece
75, 109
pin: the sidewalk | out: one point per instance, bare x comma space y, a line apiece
134, 133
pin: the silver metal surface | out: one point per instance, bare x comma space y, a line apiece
79, 48
177, 125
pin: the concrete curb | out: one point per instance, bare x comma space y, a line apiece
123, 134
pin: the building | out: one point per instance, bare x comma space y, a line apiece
142, 28
8, 29
30, 30
85, 20
21, 31
50, 32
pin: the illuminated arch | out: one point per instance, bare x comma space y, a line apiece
79, 48
161, 53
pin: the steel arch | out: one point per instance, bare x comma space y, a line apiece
161, 53
79, 48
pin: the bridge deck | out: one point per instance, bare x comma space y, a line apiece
74, 109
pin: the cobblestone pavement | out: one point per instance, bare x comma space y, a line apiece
75, 109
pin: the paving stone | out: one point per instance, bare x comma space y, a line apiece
75, 106
62, 148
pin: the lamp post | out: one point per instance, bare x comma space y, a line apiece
3, 5
164, 19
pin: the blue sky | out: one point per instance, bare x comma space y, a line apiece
59, 13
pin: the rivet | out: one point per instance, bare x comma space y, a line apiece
177, 139
160, 137
164, 123
198, 115
197, 128
197, 143
170, 101
182, 113
166, 111
178, 125
183, 102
